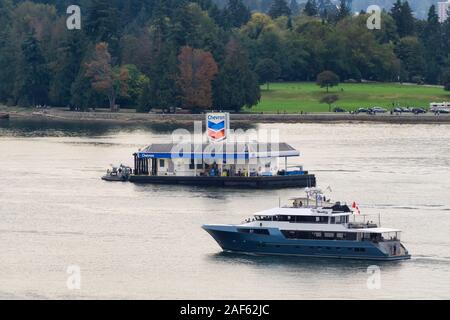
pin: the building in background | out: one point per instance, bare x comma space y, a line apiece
443, 8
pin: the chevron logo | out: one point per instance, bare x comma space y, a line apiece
217, 126
216, 135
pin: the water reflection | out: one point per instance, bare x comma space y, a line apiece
55, 128
313, 264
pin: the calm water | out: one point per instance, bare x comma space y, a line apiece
146, 242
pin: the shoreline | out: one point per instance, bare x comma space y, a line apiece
245, 118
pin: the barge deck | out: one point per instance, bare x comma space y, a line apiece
296, 181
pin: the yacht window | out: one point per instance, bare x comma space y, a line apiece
350, 236
328, 235
317, 235
333, 219
161, 163
339, 235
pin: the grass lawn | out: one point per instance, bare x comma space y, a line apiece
305, 96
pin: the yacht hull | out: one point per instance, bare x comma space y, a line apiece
230, 239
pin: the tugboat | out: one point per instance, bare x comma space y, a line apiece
311, 227
121, 173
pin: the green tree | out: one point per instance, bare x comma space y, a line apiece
311, 9
236, 85
329, 99
66, 66
7, 54
327, 79
267, 71
294, 7
102, 23
135, 85
279, 8
144, 104
344, 10
404, 19
446, 80
33, 85
411, 52
434, 47
236, 14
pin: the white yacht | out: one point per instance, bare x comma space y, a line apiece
311, 226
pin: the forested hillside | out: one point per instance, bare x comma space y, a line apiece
196, 55
419, 7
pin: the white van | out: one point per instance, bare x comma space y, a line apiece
440, 106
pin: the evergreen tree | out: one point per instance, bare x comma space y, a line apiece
7, 54
434, 51
102, 23
236, 14
404, 19
67, 67
327, 10
311, 9
32, 87
267, 71
289, 25
294, 7
411, 53
279, 8
344, 10
446, 80
236, 85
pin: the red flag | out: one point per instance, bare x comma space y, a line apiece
356, 207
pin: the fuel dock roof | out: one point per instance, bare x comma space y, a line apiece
215, 150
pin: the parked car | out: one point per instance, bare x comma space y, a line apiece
338, 109
398, 110
378, 110
418, 110
362, 110
406, 109
442, 111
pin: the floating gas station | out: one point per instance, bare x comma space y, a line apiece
220, 161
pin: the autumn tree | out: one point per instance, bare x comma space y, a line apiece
327, 79
105, 78
197, 70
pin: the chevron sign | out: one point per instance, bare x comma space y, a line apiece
217, 126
